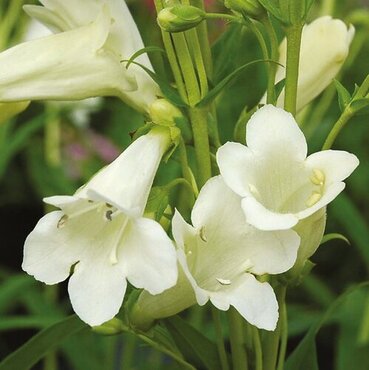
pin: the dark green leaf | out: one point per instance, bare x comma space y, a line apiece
278, 88
359, 105
344, 97
332, 236
221, 85
196, 348
39, 345
148, 49
168, 91
273, 9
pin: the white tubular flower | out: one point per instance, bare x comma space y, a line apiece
83, 59
221, 253
324, 48
101, 236
278, 184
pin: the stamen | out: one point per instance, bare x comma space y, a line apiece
108, 215
253, 190
62, 222
314, 198
82, 210
202, 234
318, 177
113, 256
223, 281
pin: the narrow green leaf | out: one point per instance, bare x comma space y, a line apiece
26, 322
304, 355
222, 84
147, 49
39, 345
168, 91
279, 86
196, 348
344, 97
332, 236
360, 105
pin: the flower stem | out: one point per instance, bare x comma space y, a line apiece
271, 340
293, 34
239, 357
274, 55
258, 349
338, 126
284, 336
219, 336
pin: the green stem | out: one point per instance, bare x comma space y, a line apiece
201, 140
219, 337
328, 7
222, 16
9, 21
274, 48
239, 357
168, 44
284, 336
338, 126
259, 36
271, 339
257, 349
52, 140
293, 34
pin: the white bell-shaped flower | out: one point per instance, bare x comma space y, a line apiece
280, 186
101, 239
83, 59
325, 46
221, 254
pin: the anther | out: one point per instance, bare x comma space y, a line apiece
318, 177
223, 281
314, 198
63, 220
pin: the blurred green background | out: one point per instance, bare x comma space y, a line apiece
54, 148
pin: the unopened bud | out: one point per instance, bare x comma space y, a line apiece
9, 110
250, 7
180, 18
164, 113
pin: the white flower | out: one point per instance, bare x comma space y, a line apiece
280, 186
221, 253
101, 237
324, 48
83, 59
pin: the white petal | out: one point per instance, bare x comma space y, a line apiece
235, 163
264, 219
96, 290
336, 165
272, 130
330, 193
127, 181
49, 253
255, 301
67, 66
148, 257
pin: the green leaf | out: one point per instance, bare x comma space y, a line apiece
222, 84
11, 289
332, 236
356, 227
148, 49
26, 322
196, 348
272, 8
344, 97
39, 345
304, 356
168, 91
278, 88
359, 105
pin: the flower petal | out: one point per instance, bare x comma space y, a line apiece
264, 219
336, 165
148, 257
255, 301
77, 67
273, 130
96, 290
48, 252
134, 171
235, 162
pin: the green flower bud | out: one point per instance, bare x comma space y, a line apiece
9, 110
180, 18
111, 327
250, 7
164, 113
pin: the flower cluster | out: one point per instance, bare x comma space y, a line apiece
249, 221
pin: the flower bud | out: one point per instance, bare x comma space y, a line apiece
180, 18
250, 7
164, 113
